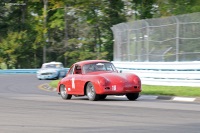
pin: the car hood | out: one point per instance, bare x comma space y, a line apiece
119, 77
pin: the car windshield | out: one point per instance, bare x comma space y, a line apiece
52, 66
100, 66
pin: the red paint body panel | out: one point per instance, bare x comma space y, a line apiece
107, 81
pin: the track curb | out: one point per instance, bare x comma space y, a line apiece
179, 98
46, 87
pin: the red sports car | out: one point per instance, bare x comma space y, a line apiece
97, 79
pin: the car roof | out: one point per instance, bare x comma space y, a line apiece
53, 62
90, 61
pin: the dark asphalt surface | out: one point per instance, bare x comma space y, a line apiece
24, 108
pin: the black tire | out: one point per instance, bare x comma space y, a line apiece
102, 97
63, 93
91, 93
132, 96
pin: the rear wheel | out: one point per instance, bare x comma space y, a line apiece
132, 96
91, 93
63, 93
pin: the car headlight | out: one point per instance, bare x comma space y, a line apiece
103, 81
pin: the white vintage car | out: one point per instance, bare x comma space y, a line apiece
51, 70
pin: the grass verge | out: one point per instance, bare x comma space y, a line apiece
54, 83
171, 90
161, 90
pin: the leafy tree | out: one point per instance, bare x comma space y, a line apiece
140, 9
73, 30
10, 48
177, 7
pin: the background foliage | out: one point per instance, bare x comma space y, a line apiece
71, 30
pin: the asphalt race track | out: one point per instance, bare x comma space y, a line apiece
25, 108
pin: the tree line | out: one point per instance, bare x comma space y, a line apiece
37, 31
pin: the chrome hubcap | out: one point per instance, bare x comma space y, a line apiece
90, 91
63, 91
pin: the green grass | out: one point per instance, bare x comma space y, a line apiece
54, 83
162, 90
171, 90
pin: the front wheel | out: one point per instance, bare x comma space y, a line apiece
132, 96
63, 93
91, 93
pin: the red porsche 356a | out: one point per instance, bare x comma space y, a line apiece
97, 79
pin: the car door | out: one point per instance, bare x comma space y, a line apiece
78, 82
70, 86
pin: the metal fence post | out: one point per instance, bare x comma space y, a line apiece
177, 38
147, 41
128, 41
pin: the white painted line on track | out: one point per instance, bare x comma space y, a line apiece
120, 96
186, 99
150, 97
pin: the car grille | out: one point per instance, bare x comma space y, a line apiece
46, 73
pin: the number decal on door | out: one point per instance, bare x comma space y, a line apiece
73, 83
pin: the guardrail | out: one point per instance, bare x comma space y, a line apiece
21, 71
151, 73
164, 73
15, 71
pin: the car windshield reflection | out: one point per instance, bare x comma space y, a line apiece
53, 66
94, 67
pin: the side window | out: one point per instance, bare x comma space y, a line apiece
109, 67
100, 67
77, 69
71, 70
